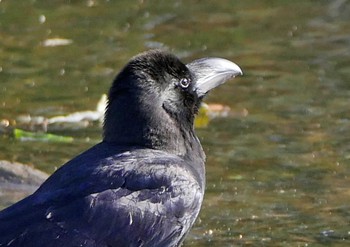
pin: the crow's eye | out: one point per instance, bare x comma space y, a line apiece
185, 82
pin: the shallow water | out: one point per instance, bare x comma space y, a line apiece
278, 176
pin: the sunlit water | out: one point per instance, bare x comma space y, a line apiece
276, 177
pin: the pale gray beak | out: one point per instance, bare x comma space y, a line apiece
212, 72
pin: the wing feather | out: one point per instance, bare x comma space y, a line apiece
116, 200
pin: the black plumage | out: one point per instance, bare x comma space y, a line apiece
143, 185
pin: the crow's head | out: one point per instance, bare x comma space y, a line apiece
155, 97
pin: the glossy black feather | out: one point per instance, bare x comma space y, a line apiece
139, 197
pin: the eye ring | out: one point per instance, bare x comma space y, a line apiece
185, 83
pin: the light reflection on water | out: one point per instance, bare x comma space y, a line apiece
277, 177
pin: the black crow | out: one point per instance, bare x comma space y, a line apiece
143, 185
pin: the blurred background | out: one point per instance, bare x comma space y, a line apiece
277, 139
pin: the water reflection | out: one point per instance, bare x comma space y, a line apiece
276, 177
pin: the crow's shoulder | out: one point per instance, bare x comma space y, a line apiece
106, 167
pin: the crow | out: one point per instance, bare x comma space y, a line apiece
143, 185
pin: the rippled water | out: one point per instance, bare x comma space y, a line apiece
278, 176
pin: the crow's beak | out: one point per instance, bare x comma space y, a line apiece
212, 72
